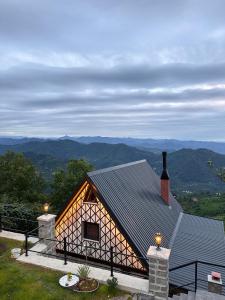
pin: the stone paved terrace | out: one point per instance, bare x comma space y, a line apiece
126, 282
16, 236
204, 295
200, 295
129, 283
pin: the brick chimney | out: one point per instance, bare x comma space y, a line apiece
165, 181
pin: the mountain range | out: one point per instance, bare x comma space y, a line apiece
188, 168
153, 145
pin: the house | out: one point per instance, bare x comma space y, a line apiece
121, 208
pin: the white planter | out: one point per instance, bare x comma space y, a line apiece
15, 252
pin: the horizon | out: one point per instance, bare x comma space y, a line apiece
132, 68
113, 137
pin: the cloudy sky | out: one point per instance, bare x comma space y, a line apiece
138, 68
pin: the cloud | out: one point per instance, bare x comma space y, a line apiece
34, 76
131, 68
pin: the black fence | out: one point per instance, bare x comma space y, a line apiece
18, 225
194, 276
63, 254
194, 273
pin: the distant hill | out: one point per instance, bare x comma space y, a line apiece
152, 145
99, 154
188, 168
17, 140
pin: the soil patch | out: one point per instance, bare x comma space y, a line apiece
86, 285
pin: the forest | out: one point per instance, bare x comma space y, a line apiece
25, 187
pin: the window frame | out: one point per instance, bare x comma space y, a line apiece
84, 231
87, 197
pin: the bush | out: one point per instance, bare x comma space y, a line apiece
112, 284
83, 272
23, 245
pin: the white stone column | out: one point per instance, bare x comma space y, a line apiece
46, 224
215, 286
158, 272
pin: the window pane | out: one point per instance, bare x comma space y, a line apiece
91, 231
90, 197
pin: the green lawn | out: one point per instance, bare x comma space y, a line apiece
212, 206
26, 282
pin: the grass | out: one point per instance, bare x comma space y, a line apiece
25, 282
212, 206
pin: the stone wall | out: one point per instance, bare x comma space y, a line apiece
158, 272
46, 224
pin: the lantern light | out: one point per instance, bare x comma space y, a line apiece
46, 208
158, 240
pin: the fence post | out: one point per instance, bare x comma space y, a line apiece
26, 224
86, 252
26, 244
0, 222
64, 247
111, 260
196, 276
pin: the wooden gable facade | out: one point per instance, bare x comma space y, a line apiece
91, 231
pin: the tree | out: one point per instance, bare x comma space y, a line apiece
19, 180
65, 182
220, 172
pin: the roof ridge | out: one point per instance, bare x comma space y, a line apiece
116, 167
176, 230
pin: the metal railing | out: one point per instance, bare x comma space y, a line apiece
16, 224
193, 285
66, 256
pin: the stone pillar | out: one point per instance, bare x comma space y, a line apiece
47, 231
215, 284
158, 272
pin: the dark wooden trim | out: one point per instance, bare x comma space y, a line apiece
63, 211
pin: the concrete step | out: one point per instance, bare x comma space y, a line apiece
176, 297
204, 295
183, 296
191, 296
200, 295
180, 297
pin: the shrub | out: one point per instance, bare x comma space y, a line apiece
69, 276
112, 283
83, 272
29, 245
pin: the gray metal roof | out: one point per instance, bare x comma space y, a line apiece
201, 239
132, 193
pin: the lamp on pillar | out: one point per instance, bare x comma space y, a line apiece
46, 208
46, 229
158, 269
158, 240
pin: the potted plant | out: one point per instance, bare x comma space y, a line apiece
85, 283
69, 276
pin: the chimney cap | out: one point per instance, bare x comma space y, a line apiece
165, 174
